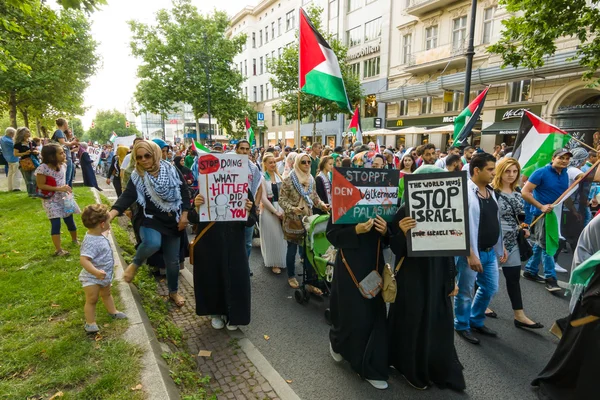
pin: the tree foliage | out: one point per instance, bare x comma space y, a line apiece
106, 122
285, 79
175, 54
52, 59
531, 34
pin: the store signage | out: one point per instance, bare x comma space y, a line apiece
514, 113
450, 120
365, 51
377, 123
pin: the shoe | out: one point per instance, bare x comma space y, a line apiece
521, 325
337, 357
531, 277
552, 285
413, 385
217, 323
558, 268
16, 190
232, 327
484, 330
293, 282
119, 315
381, 385
91, 328
468, 336
491, 314
61, 253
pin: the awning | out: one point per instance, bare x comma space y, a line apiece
510, 127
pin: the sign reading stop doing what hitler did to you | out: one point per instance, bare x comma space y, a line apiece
223, 181
438, 202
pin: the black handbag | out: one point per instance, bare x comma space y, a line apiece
525, 250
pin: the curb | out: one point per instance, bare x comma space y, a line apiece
155, 379
279, 385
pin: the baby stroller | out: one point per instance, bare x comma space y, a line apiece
321, 257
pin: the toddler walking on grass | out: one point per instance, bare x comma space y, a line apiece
97, 260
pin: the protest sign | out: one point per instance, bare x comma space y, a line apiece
358, 194
126, 141
438, 202
94, 153
223, 181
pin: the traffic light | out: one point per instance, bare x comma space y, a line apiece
126, 124
93, 125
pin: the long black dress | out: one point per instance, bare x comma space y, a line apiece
358, 329
87, 171
421, 327
573, 371
221, 270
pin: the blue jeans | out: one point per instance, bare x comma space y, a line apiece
533, 265
29, 177
290, 261
468, 311
70, 172
153, 241
249, 235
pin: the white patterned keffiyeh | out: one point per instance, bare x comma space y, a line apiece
164, 190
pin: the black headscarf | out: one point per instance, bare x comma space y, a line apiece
184, 170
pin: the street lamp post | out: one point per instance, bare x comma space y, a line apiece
470, 53
207, 88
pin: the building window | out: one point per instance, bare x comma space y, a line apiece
253, 40
353, 5
289, 20
402, 107
241, 68
426, 105
371, 67
353, 37
458, 99
355, 69
260, 42
254, 66
273, 117
272, 30
254, 90
333, 9
431, 37
488, 24
406, 48
267, 90
261, 66
280, 120
246, 67
459, 32
246, 92
266, 34
373, 29
279, 26
279, 51
520, 91
273, 54
370, 106
262, 93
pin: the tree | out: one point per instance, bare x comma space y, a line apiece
175, 54
531, 33
106, 122
285, 79
59, 65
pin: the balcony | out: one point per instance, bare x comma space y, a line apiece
422, 7
451, 54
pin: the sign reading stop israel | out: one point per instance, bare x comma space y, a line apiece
358, 194
438, 202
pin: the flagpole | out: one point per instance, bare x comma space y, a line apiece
583, 144
562, 196
299, 136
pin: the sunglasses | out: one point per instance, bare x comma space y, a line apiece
305, 162
146, 156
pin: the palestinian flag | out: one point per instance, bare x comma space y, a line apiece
354, 126
199, 147
250, 133
113, 137
464, 123
320, 73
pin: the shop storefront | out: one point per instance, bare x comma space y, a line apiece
506, 123
580, 121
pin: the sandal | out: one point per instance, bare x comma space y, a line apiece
178, 299
491, 313
129, 273
61, 252
276, 270
293, 282
314, 290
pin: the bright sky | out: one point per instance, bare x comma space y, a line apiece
114, 84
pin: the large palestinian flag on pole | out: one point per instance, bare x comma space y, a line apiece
319, 69
466, 120
249, 133
354, 126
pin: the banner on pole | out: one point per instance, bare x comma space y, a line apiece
223, 181
124, 140
438, 202
358, 194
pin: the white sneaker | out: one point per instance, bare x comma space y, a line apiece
336, 356
217, 323
232, 327
558, 268
378, 384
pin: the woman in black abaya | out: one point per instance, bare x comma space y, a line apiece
358, 332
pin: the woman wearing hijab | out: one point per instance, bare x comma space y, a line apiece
289, 164
114, 171
87, 167
163, 203
297, 198
185, 171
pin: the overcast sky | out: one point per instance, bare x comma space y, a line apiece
113, 85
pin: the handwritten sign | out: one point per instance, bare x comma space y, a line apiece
358, 194
438, 202
223, 181
94, 155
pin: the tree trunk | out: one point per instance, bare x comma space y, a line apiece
25, 115
12, 108
38, 127
314, 128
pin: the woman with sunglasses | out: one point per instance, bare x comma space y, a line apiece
163, 201
297, 198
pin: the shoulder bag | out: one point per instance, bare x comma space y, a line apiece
46, 194
525, 250
27, 164
191, 249
372, 284
390, 287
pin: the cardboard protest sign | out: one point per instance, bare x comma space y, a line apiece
358, 194
438, 202
94, 153
223, 181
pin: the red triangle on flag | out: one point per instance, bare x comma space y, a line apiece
344, 195
310, 51
541, 126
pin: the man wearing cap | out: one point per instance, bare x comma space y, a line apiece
391, 161
542, 189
